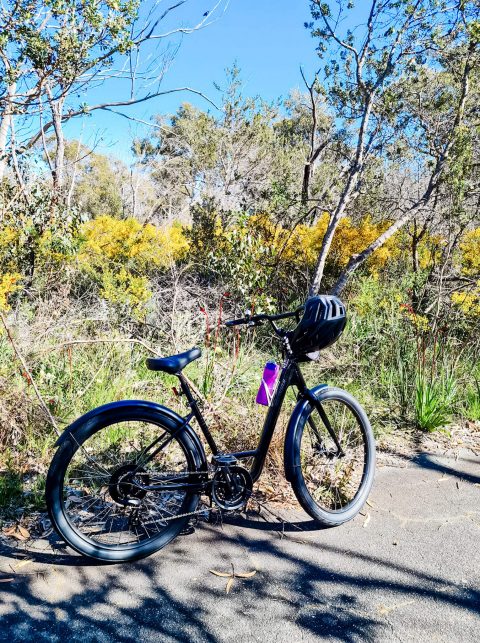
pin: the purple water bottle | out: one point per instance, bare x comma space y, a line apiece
267, 385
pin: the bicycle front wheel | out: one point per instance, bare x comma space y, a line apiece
331, 484
105, 490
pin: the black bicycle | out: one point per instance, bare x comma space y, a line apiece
128, 476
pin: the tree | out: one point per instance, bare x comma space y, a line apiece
52, 52
94, 181
364, 75
234, 158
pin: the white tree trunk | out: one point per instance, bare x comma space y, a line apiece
5, 123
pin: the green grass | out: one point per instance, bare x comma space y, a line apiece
434, 400
11, 488
471, 406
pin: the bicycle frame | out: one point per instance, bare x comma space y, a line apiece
290, 376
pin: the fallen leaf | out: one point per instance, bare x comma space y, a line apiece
224, 574
247, 574
16, 532
9, 531
24, 532
370, 504
229, 584
23, 563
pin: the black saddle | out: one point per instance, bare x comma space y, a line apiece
175, 363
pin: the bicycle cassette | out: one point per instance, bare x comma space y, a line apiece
231, 487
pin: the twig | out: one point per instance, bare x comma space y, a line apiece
101, 341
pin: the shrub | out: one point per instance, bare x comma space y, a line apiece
120, 255
9, 283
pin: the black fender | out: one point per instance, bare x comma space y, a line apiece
169, 418
297, 419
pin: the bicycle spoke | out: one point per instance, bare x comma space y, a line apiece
332, 479
111, 473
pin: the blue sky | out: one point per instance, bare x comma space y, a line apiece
267, 38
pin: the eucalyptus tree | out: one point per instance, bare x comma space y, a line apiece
52, 52
228, 155
365, 69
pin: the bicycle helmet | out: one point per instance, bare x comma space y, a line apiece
323, 321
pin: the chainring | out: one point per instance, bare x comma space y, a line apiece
231, 487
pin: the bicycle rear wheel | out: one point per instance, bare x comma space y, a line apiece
94, 486
331, 486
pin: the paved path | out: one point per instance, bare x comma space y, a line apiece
406, 570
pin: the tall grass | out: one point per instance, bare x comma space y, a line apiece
471, 406
434, 400
403, 374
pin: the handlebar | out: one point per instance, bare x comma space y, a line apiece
256, 320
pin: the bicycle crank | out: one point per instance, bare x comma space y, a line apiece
231, 487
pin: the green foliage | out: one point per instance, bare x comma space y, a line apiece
83, 33
472, 402
238, 158
10, 488
36, 238
97, 181
434, 398
233, 255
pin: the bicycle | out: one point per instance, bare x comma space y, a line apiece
128, 476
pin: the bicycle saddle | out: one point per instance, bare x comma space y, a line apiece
175, 363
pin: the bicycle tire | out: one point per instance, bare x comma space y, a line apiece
308, 487
75, 443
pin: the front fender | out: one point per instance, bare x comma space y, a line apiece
297, 419
126, 409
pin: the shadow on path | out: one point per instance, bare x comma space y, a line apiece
303, 589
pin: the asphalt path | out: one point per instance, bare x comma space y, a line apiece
406, 569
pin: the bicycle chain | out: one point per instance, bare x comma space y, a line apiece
172, 475
167, 476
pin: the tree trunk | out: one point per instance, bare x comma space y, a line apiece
354, 175
358, 259
56, 109
5, 122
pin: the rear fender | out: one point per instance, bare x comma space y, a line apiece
95, 420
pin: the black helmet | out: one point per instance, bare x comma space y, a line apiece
323, 321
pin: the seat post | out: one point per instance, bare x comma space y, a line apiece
192, 402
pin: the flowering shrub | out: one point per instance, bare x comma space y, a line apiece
9, 283
420, 322
470, 253
469, 301
120, 254
303, 244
